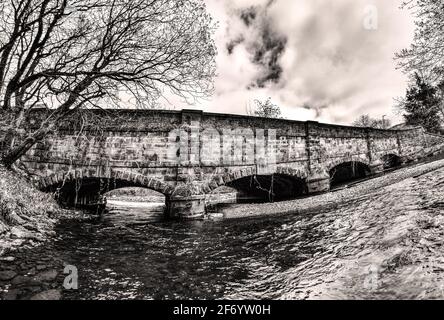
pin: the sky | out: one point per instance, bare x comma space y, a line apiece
323, 60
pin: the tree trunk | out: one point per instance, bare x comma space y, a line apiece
14, 153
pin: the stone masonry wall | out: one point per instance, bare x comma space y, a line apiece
152, 143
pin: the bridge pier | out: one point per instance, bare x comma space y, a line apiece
318, 182
187, 207
376, 167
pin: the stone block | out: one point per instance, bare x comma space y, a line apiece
192, 207
318, 182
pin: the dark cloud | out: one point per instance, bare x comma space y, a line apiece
233, 43
265, 48
267, 54
248, 15
318, 109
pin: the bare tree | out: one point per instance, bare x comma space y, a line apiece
368, 122
71, 55
426, 54
266, 109
363, 121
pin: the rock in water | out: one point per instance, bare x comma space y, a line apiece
7, 259
7, 275
48, 295
46, 276
11, 295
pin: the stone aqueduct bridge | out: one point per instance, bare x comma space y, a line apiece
142, 148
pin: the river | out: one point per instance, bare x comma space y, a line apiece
383, 245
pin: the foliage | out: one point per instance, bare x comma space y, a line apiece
266, 109
421, 105
22, 205
424, 61
369, 122
426, 54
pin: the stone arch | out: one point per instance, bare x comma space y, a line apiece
225, 178
348, 170
391, 160
289, 171
334, 163
283, 184
135, 179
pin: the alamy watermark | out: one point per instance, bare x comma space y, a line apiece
71, 281
371, 17
225, 147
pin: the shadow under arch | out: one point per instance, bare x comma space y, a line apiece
391, 160
348, 171
251, 187
269, 188
84, 188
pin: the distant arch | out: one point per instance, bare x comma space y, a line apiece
342, 160
348, 171
391, 160
269, 188
225, 178
272, 187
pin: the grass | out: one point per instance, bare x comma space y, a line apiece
23, 206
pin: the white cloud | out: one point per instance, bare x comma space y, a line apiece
330, 61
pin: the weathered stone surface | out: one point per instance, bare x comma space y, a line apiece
11, 294
187, 207
21, 280
7, 259
7, 275
48, 295
46, 275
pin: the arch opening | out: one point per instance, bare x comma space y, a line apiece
94, 193
268, 188
135, 205
134, 195
347, 172
391, 161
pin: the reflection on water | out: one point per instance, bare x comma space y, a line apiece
134, 212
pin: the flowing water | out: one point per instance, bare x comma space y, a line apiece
387, 244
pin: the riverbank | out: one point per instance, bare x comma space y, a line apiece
27, 215
328, 200
28, 218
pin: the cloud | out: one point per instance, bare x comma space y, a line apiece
314, 58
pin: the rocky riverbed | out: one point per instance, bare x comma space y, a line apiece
331, 199
28, 270
385, 244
